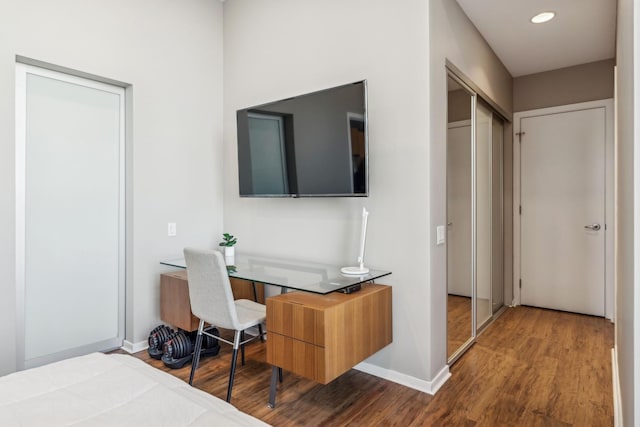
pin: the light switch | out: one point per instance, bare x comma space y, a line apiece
171, 229
440, 235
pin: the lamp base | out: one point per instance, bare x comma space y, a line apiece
354, 271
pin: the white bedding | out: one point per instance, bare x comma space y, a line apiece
109, 390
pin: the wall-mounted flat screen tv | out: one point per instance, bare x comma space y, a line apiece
311, 145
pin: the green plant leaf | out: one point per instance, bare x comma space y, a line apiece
228, 240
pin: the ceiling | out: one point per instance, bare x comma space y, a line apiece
582, 31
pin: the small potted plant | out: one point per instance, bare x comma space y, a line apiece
228, 242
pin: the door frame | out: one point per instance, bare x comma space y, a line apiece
452, 358
608, 105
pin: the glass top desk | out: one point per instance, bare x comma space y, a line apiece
299, 275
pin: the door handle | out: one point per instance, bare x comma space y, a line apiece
593, 227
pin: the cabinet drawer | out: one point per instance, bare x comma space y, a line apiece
295, 320
322, 336
299, 357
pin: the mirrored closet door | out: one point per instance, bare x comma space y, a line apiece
460, 330
497, 215
483, 223
474, 216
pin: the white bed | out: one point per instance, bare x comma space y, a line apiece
109, 390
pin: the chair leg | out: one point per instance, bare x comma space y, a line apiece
280, 374
242, 346
234, 359
195, 359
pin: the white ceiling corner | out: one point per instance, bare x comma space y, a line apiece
582, 31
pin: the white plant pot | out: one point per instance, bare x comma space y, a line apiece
229, 255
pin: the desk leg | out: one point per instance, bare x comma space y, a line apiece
275, 371
283, 290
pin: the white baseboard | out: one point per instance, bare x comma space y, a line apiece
131, 348
430, 387
617, 402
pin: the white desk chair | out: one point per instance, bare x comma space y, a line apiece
212, 302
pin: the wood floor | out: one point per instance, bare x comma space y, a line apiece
532, 367
458, 322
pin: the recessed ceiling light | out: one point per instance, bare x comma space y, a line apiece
543, 17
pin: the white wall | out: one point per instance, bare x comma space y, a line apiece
287, 47
453, 37
626, 289
401, 50
171, 54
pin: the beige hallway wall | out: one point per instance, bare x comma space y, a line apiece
571, 85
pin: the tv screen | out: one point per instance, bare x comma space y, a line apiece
309, 145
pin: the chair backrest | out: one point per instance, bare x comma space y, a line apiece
210, 289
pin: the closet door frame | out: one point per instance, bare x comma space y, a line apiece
472, 339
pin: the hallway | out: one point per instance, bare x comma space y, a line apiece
532, 367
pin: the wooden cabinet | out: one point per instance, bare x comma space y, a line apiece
175, 308
320, 337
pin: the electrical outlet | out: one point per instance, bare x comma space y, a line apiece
171, 229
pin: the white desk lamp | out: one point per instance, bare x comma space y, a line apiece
360, 269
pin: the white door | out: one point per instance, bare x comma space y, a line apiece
69, 215
563, 210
